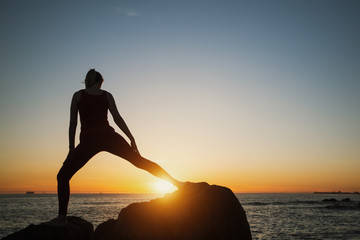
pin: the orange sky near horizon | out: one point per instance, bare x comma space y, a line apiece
108, 174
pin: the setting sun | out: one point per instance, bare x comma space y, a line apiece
161, 186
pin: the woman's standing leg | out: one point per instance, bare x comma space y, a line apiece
81, 155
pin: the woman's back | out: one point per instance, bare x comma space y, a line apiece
93, 110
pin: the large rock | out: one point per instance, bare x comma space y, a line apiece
197, 211
76, 229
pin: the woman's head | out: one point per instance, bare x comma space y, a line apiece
93, 77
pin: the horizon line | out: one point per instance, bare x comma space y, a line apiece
158, 193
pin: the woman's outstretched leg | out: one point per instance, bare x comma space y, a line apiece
117, 145
154, 169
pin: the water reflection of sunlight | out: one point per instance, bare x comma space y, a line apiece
161, 186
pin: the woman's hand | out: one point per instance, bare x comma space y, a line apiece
133, 145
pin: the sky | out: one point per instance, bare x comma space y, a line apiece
257, 96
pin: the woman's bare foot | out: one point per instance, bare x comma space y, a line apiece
179, 184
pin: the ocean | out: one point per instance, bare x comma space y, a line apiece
271, 216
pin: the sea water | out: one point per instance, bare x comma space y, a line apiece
271, 216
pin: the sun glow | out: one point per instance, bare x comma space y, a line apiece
161, 186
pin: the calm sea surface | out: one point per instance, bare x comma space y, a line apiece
271, 216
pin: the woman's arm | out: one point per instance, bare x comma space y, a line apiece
119, 120
73, 119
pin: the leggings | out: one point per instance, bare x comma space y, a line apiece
91, 143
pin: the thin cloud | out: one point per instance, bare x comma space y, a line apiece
132, 13
127, 12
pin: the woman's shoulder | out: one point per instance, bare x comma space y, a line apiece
108, 94
77, 95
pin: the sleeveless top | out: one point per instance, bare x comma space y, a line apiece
93, 110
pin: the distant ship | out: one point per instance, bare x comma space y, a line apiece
30, 192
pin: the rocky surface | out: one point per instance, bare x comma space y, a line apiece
76, 229
197, 211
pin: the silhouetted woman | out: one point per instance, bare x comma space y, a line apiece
97, 135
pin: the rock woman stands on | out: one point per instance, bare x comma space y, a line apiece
92, 104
